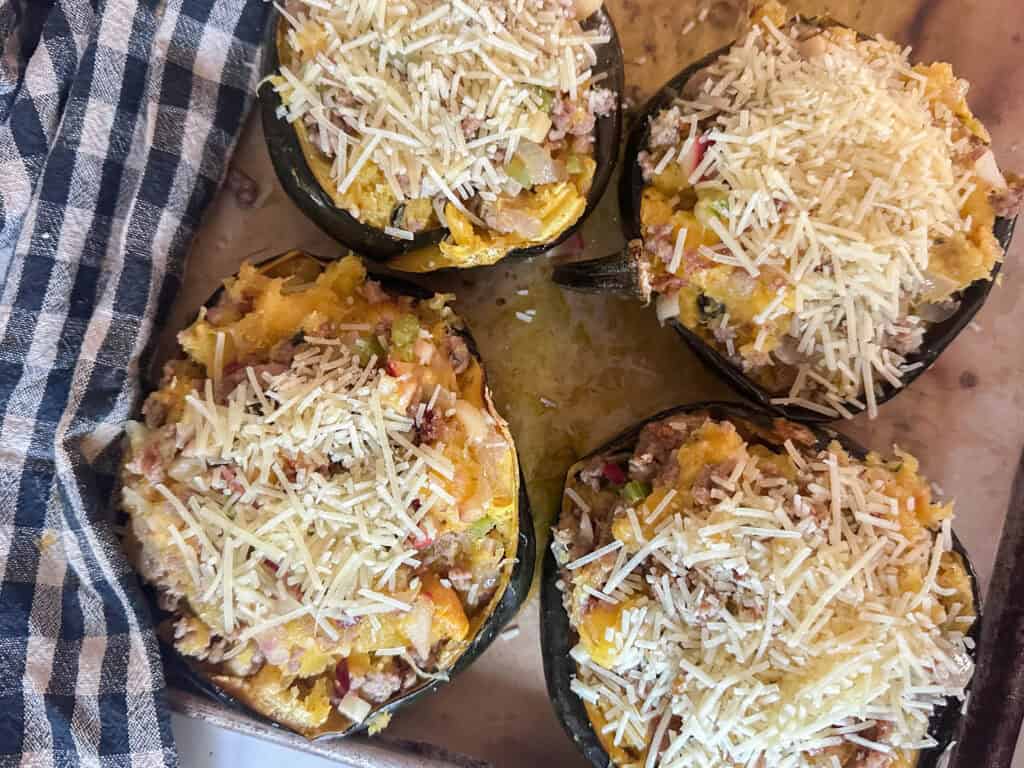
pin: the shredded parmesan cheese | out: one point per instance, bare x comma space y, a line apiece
437, 95
838, 169
304, 489
771, 643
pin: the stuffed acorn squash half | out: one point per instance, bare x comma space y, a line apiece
324, 497
817, 216
432, 135
727, 588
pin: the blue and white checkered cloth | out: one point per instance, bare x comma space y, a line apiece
117, 119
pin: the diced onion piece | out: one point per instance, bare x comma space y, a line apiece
539, 165
988, 170
694, 154
537, 127
417, 626
667, 307
472, 419
423, 350
354, 708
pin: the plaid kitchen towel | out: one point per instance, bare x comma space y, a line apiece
117, 118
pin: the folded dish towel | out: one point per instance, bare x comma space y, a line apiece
117, 119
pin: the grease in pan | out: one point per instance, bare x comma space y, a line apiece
815, 213
749, 592
448, 135
324, 495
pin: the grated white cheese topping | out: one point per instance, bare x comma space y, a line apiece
767, 643
306, 494
437, 94
840, 173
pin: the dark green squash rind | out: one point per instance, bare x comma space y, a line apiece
558, 638
189, 676
305, 191
615, 273
937, 337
